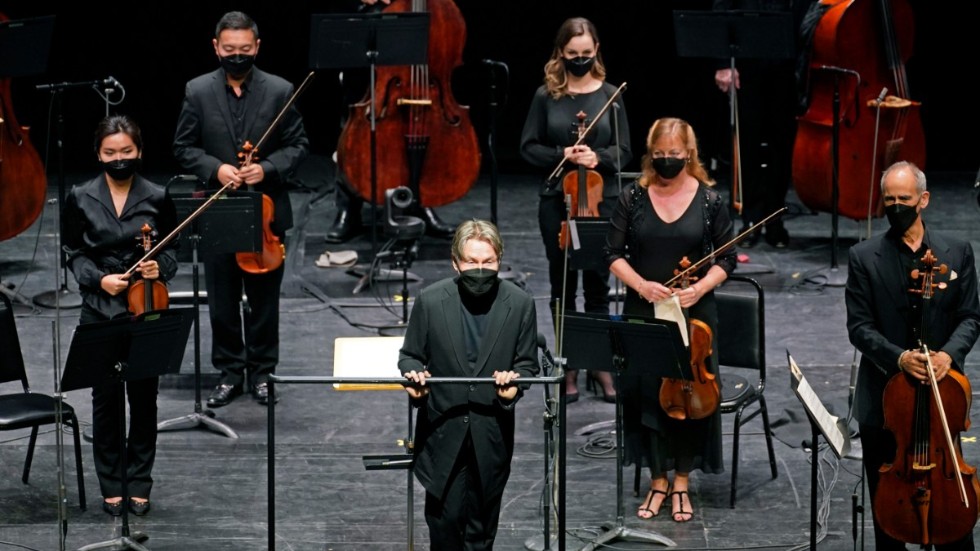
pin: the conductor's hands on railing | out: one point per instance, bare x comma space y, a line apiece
503, 380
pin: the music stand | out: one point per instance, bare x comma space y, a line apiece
353, 40
742, 34
588, 238
233, 219
115, 352
651, 347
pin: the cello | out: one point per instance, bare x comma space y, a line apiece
424, 138
22, 180
859, 51
928, 494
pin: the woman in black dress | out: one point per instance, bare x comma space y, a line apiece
102, 222
669, 213
575, 81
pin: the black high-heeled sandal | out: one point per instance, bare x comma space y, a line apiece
680, 507
646, 511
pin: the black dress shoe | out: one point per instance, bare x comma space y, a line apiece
114, 509
346, 226
433, 225
139, 508
261, 393
222, 395
777, 236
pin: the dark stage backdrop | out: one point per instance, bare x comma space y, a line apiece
153, 48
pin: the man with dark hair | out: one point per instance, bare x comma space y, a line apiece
223, 110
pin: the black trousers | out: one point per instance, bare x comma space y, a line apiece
463, 519
141, 442
238, 344
878, 448
595, 283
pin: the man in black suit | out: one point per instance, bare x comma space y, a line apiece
885, 321
221, 111
473, 325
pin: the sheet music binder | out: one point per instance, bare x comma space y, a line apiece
832, 428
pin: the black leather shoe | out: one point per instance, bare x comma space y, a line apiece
222, 395
434, 226
346, 226
777, 236
114, 509
261, 393
139, 508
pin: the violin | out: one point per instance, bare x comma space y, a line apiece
928, 494
273, 252
698, 397
145, 295
583, 189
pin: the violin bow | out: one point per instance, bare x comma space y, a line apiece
582, 135
217, 195
723, 248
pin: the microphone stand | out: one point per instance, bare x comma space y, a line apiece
62, 297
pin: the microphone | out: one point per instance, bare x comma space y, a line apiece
494, 63
109, 82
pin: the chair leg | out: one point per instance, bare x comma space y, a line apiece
73, 422
738, 426
765, 427
30, 454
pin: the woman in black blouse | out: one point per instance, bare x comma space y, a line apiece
669, 213
102, 232
575, 81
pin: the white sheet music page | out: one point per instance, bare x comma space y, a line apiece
669, 309
825, 421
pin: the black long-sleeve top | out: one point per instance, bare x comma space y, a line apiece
552, 125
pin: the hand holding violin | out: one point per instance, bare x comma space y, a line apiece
114, 283
915, 364
582, 155
653, 291
689, 296
150, 269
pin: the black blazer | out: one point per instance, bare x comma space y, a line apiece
434, 341
877, 301
205, 137
98, 242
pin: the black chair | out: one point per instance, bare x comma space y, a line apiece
20, 410
741, 345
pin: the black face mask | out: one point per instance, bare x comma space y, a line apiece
477, 282
668, 167
579, 66
237, 65
901, 217
121, 169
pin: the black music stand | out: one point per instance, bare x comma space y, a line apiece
115, 352
588, 238
234, 219
653, 348
353, 40
732, 34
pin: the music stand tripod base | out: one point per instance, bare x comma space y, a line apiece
616, 532
197, 419
61, 298
126, 542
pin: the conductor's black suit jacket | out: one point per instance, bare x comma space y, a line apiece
434, 341
206, 137
877, 297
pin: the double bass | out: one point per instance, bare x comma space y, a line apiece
22, 180
424, 137
858, 56
928, 494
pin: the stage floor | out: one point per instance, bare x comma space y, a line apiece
211, 490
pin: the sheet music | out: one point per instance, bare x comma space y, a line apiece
827, 423
669, 309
